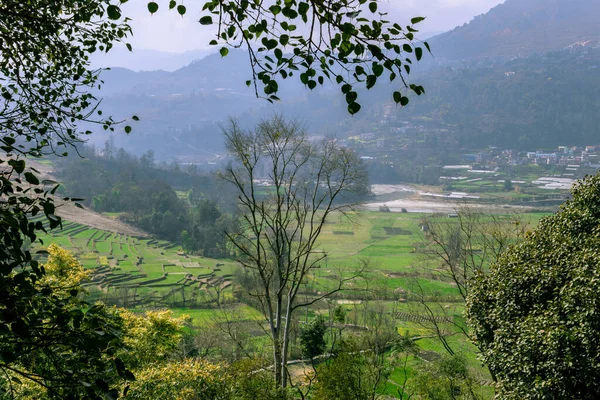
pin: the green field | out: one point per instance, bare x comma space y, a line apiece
144, 273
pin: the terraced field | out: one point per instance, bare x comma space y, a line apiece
141, 271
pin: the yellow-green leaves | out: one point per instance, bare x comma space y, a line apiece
151, 337
190, 379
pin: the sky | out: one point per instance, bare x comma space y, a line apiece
169, 32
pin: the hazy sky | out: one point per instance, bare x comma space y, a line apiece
167, 31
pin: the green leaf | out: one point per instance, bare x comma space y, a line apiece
152, 7
181, 9
172, 4
377, 69
353, 108
135, 118
404, 101
416, 20
18, 165
270, 44
373, 6
419, 53
397, 97
371, 80
206, 20
303, 8
224, 51
127, 129
31, 178
113, 12
351, 97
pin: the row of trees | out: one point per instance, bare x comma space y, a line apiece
138, 190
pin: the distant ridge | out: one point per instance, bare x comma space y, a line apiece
522, 27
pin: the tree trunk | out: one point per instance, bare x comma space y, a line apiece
276, 330
277, 360
286, 341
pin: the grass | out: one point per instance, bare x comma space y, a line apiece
204, 317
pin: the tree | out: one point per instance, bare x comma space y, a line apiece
152, 348
63, 347
190, 379
358, 373
535, 314
344, 376
460, 248
45, 99
278, 238
346, 41
469, 243
312, 338
445, 379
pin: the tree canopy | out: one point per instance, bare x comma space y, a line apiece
535, 315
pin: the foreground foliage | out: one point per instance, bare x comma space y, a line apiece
535, 316
66, 348
48, 336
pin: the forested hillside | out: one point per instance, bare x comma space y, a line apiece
512, 103
170, 203
518, 28
535, 101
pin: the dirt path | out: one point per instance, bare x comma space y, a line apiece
70, 212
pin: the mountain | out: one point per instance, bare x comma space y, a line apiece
181, 112
528, 76
522, 27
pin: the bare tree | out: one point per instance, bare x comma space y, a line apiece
460, 245
467, 241
278, 239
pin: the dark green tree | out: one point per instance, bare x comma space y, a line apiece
445, 379
344, 376
312, 338
535, 314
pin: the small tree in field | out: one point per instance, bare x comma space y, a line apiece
277, 241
